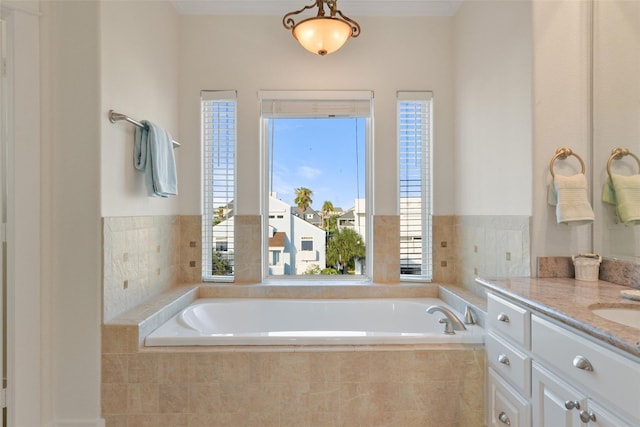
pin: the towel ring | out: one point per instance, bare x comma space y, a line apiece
619, 153
562, 154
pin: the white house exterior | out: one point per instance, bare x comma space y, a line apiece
304, 243
294, 244
355, 218
412, 245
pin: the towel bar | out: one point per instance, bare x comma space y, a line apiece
617, 154
116, 117
563, 153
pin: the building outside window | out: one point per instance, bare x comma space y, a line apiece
218, 133
415, 189
316, 147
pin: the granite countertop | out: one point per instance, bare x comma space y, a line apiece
570, 301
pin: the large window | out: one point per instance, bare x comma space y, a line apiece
415, 145
316, 176
219, 171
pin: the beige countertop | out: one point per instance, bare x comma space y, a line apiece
570, 301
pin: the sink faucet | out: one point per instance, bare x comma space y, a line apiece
451, 321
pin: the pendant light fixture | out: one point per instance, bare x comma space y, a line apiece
322, 34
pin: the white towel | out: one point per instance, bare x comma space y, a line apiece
569, 195
153, 154
624, 192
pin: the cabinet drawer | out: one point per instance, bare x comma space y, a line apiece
506, 406
509, 319
604, 373
509, 362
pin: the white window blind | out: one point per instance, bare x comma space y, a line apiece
415, 192
281, 104
219, 113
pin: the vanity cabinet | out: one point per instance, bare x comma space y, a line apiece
600, 377
555, 403
545, 374
509, 364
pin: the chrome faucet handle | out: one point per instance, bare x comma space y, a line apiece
469, 316
448, 327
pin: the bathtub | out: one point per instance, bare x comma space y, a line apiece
245, 321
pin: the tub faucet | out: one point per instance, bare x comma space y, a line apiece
451, 321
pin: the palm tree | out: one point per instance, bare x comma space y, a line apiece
327, 208
219, 215
303, 198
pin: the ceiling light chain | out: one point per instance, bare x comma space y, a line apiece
322, 34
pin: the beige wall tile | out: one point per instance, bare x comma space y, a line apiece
114, 399
204, 398
173, 368
386, 249
114, 368
143, 399
248, 249
280, 387
173, 398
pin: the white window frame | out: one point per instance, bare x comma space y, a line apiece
425, 134
208, 240
300, 104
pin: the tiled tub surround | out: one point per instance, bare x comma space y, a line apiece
145, 256
492, 246
412, 385
569, 301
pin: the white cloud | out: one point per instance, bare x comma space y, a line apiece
309, 172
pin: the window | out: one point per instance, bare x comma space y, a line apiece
218, 133
274, 258
222, 245
415, 192
315, 148
306, 244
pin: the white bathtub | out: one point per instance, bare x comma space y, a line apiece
243, 321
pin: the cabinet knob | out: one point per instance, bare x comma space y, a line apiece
503, 318
585, 416
504, 359
583, 363
504, 418
571, 404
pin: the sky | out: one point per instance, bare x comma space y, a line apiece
325, 155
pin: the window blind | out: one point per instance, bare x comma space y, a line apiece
218, 117
282, 104
415, 191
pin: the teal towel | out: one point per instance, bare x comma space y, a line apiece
153, 154
569, 195
624, 192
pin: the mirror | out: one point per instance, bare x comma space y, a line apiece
616, 117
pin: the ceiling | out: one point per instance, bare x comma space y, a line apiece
351, 8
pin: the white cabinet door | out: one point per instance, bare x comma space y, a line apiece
554, 402
506, 406
598, 416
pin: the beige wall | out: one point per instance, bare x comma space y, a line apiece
493, 102
71, 213
139, 78
561, 103
251, 53
23, 151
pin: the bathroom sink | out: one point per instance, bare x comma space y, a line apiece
627, 315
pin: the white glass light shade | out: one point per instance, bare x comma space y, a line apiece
322, 35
